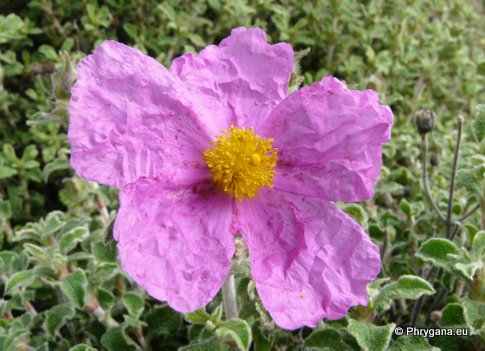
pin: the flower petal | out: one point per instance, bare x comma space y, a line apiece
130, 118
309, 259
244, 77
329, 141
175, 243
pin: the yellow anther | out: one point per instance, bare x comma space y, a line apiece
241, 162
255, 160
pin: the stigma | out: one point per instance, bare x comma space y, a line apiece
241, 162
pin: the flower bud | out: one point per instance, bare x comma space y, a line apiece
424, 121
435, 316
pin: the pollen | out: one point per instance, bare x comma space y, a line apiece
241, 162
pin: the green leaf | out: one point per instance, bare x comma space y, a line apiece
9, 153
479, 122
169, 11
453, 316
49, 52
436, 251
53, 222
70, 239
328, 339
238, 331
7, 172
262, 341
134, 303
75, 287
30, 153
478, 245
59, 164
115, 339
211, 344
103, 252
57, 316
405, 207
197, 40
371, 337
131, 30
481, 68
469, 269
13, 339
358, 213
406, 287
412, 343
474, 312
216, 315
36, 251
162, 320
106, 298
197, 317
82, 347
19, 280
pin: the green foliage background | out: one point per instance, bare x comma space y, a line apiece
61, 283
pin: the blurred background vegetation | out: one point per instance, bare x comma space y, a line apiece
61, 285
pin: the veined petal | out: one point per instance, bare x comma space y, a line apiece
131, 118
174, 242
309, 260
243, 77
329, 141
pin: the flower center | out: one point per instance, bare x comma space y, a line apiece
241, 162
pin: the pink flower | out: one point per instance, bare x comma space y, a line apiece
214, 147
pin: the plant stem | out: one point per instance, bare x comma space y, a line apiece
456, 156
469, 213
425, 178
229, 298
437, 303
433, 272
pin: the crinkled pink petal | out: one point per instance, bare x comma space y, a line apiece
130, 118
309, 259
329, 141
175, 242
244, 77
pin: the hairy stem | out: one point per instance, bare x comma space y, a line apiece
425, 178
469, 213
229, 298
456, 156
433, 272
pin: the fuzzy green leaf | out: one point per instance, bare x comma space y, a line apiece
453, 316
19, 280
57, 316
115, 339
371, 337
134, 303
412, 343
238, 330
406, 287
327, 339
162, 320
197, 317
70, 239
474, 312
436, 251
105, 297
75, 286
212, 344
478, 245
358, 213
82, 347
479, 122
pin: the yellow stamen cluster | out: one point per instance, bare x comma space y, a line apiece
241, 162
